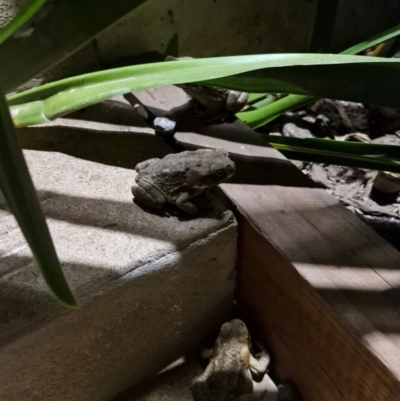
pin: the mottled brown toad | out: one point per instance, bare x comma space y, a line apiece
178, 178
219, 103
229, 375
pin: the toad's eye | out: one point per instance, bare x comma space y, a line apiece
220, 173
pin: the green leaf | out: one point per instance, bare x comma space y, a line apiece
24, 13
69, 25
360, 155
17, 187
375, 40
353, 148
353, 78
262, 116
369, 80
254, 97
271, 98
265, 114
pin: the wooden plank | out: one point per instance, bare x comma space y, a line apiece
319, 284
309, 344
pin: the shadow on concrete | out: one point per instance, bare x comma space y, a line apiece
111, 112
172, 384
119, 148
112, 215
294, 231
138, 325
125, 150
23, 307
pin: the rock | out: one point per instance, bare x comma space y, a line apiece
164, 126
294, 131
388, 139
387, 182
319, 175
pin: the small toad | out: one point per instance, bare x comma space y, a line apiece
178, 178
219, 103
232, 367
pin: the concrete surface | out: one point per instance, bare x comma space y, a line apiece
226, 27
173, 383
232, 27
150, 287
114, 145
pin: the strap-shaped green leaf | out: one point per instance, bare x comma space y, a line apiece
264, 115
353, 78
17, 187
361, 155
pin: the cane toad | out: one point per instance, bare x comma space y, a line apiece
219, 103
178, 178
232, 367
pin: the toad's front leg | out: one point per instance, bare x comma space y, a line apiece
199, 387
259, 366
200, 391
183, 201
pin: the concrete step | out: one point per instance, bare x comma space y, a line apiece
149, 287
